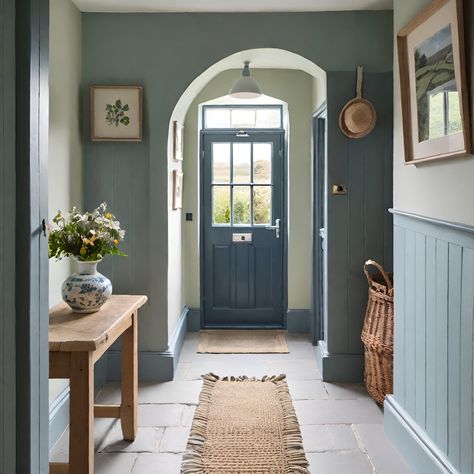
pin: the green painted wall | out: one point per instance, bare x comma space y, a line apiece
65, 148
295, 88
165, 53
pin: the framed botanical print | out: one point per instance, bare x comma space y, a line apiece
116, 113
178, 131
433, 84
177, 189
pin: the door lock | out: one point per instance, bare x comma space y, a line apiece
275, 227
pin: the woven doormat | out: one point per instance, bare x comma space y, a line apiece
244, 425
242, 341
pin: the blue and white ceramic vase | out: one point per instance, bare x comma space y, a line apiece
86, 290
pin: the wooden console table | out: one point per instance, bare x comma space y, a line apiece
76, 343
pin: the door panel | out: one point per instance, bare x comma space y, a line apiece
243, 256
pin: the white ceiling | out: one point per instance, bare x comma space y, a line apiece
229, 5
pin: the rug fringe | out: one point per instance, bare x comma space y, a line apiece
192, 459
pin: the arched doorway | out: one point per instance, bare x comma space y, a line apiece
267, 61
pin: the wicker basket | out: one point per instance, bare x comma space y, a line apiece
377, 333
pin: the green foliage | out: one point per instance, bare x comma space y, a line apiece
261, 206
88, 237
115, 113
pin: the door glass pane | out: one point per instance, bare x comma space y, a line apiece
262, 163
221, 204
241, 205
221, 162
262, 204
268, 118
216, 117
241, 157
243, 118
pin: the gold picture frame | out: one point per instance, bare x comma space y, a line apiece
177, 190
433, 87
116, 113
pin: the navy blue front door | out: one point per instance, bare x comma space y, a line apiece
243, 229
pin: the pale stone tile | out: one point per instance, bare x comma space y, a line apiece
339, 391
318, 412
175, 439
161, 463
109, 394
382, 453
160, 415
339, 462
102, 426
181, 370
188, 415
147, 441
307, 389
320, 438
186, 392
117, 463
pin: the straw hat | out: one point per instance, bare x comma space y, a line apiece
357, 118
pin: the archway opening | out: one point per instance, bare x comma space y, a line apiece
299, 85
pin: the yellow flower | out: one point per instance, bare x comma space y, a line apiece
116, 242
83, 251
86, 241
108, 215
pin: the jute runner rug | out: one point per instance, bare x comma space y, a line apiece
243, 341
242, 426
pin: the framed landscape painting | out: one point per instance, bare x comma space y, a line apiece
433, 84
116, 113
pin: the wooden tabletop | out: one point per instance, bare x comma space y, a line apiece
70, 331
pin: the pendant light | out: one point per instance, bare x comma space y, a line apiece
245, 87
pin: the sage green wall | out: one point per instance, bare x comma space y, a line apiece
65, 149
296, 89
442, 189
165, 53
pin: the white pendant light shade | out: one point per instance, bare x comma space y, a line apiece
245, 87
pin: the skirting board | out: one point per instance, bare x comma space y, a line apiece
299, 320
422, 455
154, 366
193, 320
58, 416
346, 368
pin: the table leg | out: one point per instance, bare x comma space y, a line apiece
81, 434
128, 409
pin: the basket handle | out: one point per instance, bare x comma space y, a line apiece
373, 263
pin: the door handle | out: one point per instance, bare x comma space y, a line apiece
275, 227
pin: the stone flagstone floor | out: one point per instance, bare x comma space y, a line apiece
342, 427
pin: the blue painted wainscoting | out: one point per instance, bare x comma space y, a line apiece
430, 414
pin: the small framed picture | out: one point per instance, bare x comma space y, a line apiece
178, 131
177, 189
433, 84
116, 113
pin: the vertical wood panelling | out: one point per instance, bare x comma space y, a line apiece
7, 237
442, 255
431, 347
420, 328
356, 222
410, 323
454, 352
466, 370
399, 329
434, 311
